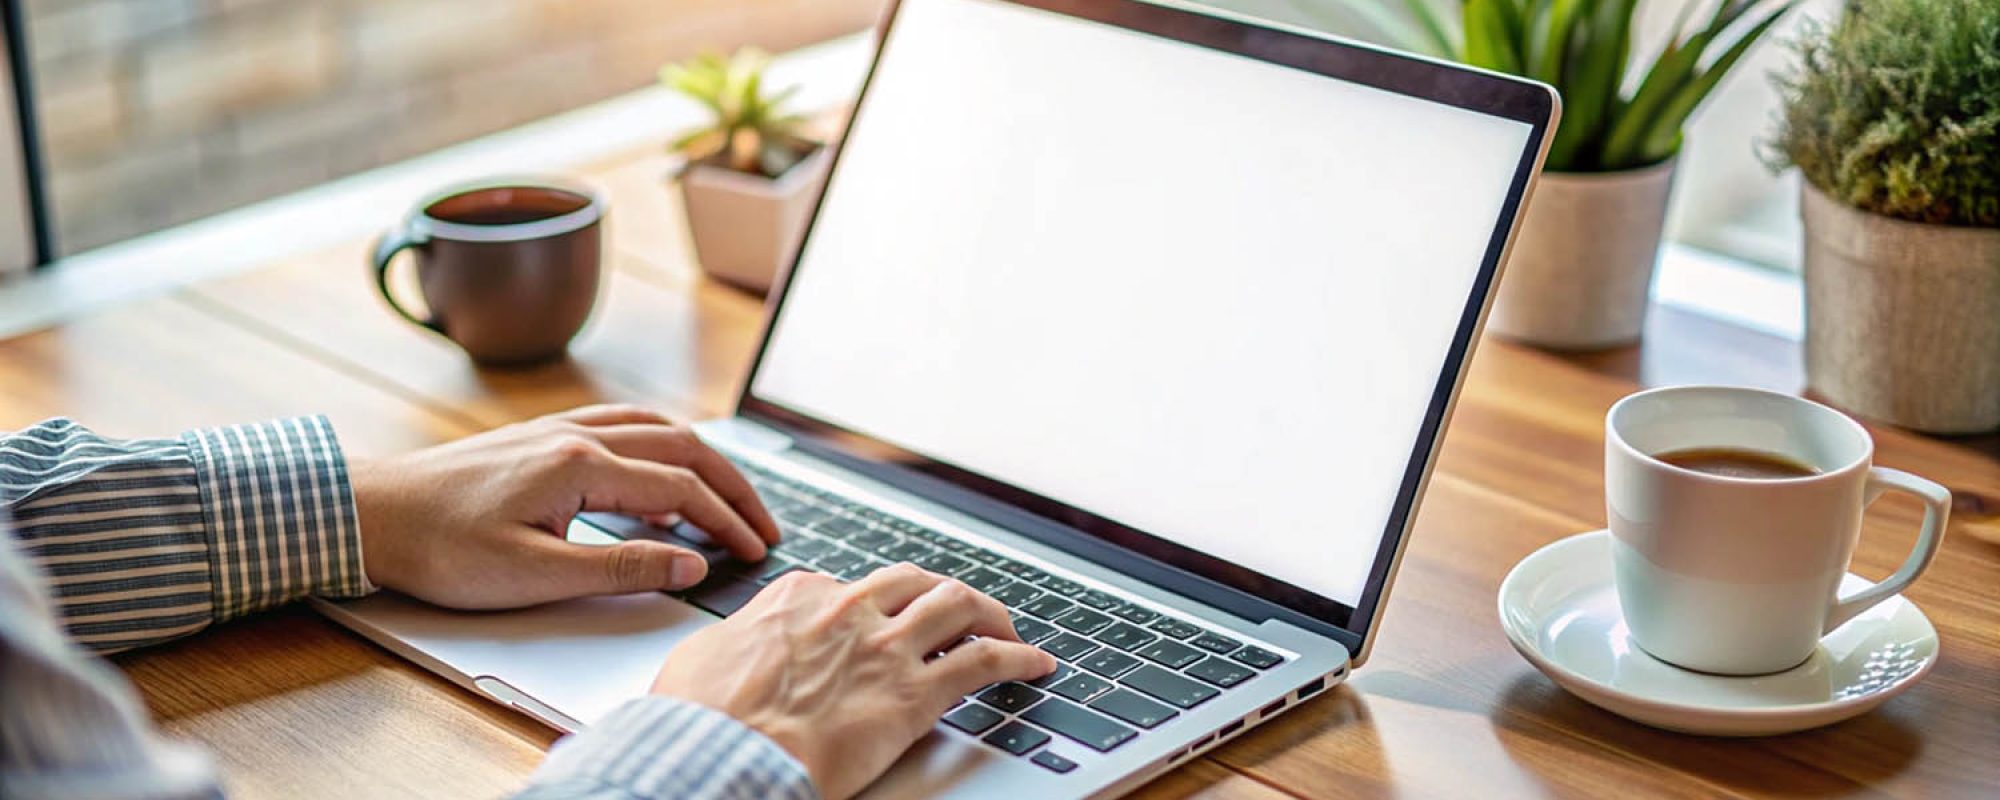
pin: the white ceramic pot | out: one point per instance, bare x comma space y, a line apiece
746, 227
1582, 266
1902, 318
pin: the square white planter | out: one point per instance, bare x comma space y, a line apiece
746, 227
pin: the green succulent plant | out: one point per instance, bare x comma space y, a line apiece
1896, 110
1583, 48
752, 131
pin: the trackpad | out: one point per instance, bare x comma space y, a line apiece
580, 658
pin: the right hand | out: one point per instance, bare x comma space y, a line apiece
846, 677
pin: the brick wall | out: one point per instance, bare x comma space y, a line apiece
156, 112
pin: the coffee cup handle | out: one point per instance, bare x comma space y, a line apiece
403, 237
1937, 511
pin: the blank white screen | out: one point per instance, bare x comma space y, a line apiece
1204, 296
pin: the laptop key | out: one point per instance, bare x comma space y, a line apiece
1033, 630
983, 579
1129, 706
1171, 653
1126, 636
1061, 586
1079, 686
841, 527
1216, 643
1086, 727
1259, 658
1048, 606
1135, 614
1083, 620
983, 556
871, 539
1066, 646
1098, 600
1109, 663
1010, 696
1173, 628
804, 548
943, 563
906, 550
1062, 671
1053, 762
1168, 686
1221, 672
973, 718
838, 561
1016, 594
1016, 738
862, 570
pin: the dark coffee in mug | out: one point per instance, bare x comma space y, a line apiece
508, 270
1735, 462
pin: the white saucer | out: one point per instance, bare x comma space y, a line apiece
1560, 610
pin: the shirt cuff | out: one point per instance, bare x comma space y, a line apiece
280, 512
660, 747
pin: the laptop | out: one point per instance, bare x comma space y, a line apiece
1145, 321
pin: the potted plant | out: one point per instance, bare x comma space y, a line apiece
752, 174
1582, 266
1893, 119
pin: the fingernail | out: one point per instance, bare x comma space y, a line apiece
687, 569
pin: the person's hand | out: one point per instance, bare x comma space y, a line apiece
846, 677
479, 523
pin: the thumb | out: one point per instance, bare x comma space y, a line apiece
626, 567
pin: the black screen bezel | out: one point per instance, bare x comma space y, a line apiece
1488, 93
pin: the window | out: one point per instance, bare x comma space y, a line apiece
1725, 200
153, 113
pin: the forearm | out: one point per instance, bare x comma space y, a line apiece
660, 747
141, 541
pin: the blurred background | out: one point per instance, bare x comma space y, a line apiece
158, 112
153, 113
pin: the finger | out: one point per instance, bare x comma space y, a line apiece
984, 661
894, 587
949, 612
643, 488
612, 414
681, 447
581, 570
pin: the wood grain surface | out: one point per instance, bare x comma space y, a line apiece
295, 707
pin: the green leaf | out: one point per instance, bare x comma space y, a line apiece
1487, 42
1592, 74
1663, 137
1673, 70
1560, 24
1433, 25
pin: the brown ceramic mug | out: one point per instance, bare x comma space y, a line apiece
509, 270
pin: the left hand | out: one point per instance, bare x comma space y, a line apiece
480, 523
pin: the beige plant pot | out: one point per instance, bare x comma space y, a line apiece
746, 227
1902, 318
1582, 266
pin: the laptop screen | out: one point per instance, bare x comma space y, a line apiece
1201, 296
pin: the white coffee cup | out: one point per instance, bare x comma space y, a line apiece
1739, 576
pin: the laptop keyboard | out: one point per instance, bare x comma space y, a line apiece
1125, 668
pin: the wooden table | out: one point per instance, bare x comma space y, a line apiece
296, 707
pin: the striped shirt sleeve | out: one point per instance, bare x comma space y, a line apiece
146, 540
661, 747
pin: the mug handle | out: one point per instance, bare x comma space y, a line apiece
1937, 510
401, 238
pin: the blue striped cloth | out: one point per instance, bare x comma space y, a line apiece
122, 544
